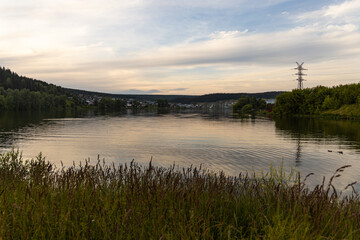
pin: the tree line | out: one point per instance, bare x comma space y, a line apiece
19, 93
214, 97
316, 100
249, 105
11, 80
26, 100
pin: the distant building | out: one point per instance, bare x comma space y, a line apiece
272, 101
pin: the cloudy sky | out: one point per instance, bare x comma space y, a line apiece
181, 46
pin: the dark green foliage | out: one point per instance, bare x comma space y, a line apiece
18, 93
40, 201
109, 104
136, 104
309, 127
162, 103
26, 100
11, 80
247, 105
247, 109
214, 97
316, 100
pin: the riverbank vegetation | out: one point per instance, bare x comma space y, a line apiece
340, 101
247, 105
100, 201
21, 94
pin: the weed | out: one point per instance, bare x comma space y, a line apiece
40, 201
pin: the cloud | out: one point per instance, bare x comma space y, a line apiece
343, 28
227, 34
153, 91
318, 37
343, 9
343, 12
160, 46
307, 43
219, 4
178, 89
137, 91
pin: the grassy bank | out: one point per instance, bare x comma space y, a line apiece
39, 201
347, 111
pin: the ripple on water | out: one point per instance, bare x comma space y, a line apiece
223, 143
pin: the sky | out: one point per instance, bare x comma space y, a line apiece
181, 46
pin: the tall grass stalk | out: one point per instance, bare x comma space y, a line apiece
40, 201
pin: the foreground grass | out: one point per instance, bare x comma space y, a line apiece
39, 201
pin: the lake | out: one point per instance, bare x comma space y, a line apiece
215, 141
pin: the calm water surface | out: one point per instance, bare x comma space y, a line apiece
217, 142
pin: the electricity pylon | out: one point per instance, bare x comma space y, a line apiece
300, 74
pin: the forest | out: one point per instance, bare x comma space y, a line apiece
339, 100
19, 93
11, 80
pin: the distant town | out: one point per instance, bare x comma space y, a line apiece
93, 100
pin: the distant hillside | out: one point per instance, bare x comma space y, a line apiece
11, 80
126, 96
226, 96
19, 93
186, 99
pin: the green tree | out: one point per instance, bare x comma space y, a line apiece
247, 109
314, 100
246, 105
329, 103
162, 103
2, 103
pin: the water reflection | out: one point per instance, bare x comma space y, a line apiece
346, 132
323, 145
216, 140
13, 123
298, 152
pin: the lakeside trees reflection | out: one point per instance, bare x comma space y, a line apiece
185, 136
317, 130
12, 122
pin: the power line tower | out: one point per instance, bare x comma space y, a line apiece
300, 74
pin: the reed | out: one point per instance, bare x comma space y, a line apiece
101, 201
